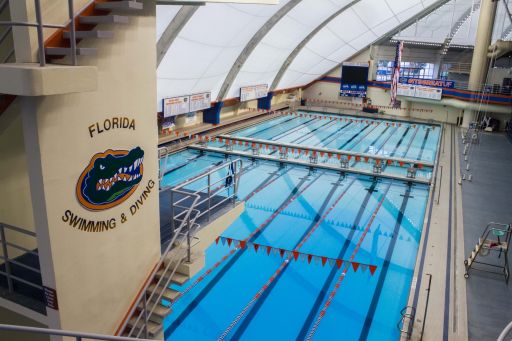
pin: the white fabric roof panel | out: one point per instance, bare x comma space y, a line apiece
206, 48
267, 58
437, 26
368, 20
204, 51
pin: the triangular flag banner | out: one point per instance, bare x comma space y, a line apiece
364, 267
309, 258
256, 247
217, 240
339, 262
355, 266
229, 241
324, 259
242, 244
372, 269
281, 252
223, 240
295, 254
268, 250
331, 262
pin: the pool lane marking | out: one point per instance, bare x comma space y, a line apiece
385, 267
294, 129
270, 284
346, 268
353, 137
270, 179
372, 143
336, 132
300, 126
410, 142
182, 165
361, 138
295, 193
284, 121
423, 144
323, 292
400, 141
310, 133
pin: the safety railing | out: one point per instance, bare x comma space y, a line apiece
506, 334
58, 332
9, 261
39, 25
179, 249
227, 185
6, 33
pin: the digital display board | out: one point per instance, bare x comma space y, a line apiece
354, 79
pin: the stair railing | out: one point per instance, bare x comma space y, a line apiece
179, 248
171, 255
39, 25
7, 245
59, 332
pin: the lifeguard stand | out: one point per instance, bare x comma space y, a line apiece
495, 240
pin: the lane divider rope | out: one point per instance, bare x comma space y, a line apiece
282, 266
344, 272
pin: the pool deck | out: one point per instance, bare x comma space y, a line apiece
487, 198
441, 254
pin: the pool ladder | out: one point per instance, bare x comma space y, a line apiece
406, 322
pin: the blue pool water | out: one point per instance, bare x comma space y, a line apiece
318, 212
410, 141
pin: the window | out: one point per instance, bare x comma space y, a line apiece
408, 69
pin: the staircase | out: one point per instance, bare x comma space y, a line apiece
59, 44
99, 12
154, 303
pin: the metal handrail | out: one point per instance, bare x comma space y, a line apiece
406, 315
143, 295
505, 332
173, 256
58, 332
7, 261
40, 26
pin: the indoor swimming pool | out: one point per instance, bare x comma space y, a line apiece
396, 145
315, 253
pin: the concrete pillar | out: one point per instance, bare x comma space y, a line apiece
480, 62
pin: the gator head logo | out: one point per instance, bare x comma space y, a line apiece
110, 178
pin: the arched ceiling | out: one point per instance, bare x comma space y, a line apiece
221, 47
458, 19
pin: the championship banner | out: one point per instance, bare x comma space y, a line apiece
396, 74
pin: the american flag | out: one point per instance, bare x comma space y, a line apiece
396, 72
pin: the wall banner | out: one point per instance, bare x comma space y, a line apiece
110, 179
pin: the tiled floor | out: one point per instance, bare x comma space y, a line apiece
488, 197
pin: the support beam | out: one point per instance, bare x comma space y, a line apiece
426, 11
305, 41
173, 29
480, 62
251, 45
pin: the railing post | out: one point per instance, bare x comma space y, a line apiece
72, 35
188, 239
6, 259
40, 39
235, 182
172, 211
209, 196
146, 316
